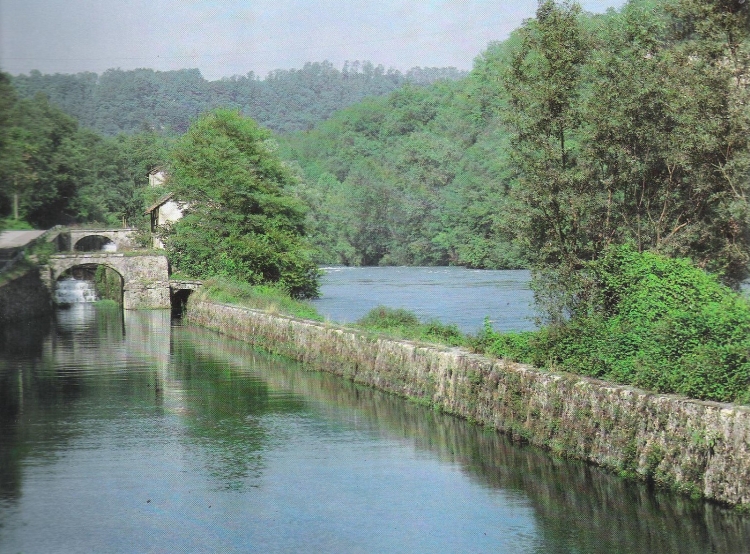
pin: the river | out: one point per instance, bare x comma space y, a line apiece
452, 295
128, 432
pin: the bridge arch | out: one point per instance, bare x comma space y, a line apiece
123, 239
95, 243
108, 284
60, 269
145, 278
93, 266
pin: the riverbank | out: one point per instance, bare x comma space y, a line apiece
698, 448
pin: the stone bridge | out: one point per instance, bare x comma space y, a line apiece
145, 277
122, 239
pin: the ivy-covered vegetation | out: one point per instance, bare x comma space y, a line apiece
654, 322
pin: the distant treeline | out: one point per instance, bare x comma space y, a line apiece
120, 101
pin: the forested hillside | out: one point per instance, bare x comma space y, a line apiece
167, 101
577, 132
52, 171
419, 177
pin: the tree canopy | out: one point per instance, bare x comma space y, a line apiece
120, 101
240, 217
635, 131
53, 171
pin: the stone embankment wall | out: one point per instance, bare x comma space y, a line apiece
24, 297
700, 448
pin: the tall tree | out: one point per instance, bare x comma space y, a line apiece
669, 132
544, 113
240, 219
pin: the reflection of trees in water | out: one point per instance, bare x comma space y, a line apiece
225, 398
575, 504
225, 413
45, 371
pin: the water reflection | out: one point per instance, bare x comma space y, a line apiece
144, 425
578, 507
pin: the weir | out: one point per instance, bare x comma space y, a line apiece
145, 277
74, 291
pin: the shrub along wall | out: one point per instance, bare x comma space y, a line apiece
701, 448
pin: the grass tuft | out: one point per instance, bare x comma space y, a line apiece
403, 324
260, 297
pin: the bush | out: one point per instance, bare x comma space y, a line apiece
658, 323
645, 320
515, 346
384, 318
268, 298
404, 324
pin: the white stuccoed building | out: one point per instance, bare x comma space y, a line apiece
164, 210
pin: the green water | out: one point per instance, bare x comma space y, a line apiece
126, 433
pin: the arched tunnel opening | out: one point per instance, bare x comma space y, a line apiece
95, 243
179, 301
88, 283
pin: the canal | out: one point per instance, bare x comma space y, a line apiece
128, 432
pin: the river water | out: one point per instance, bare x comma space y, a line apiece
452, 295
126, 432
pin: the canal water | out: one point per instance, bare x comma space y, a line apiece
126, 432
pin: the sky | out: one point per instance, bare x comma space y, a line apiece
233, 37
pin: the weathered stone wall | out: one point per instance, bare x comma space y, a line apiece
24, 297
146, 283
692, 446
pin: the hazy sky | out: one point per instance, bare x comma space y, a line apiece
232, 37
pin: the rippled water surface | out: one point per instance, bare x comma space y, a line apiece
449, 294
125, 433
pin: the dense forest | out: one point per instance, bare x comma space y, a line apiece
420, 177
578, 131
53, 171
121, 101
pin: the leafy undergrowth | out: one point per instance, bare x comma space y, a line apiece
653, 322
402, 324
260, 297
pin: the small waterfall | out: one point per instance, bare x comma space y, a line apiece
74, 291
